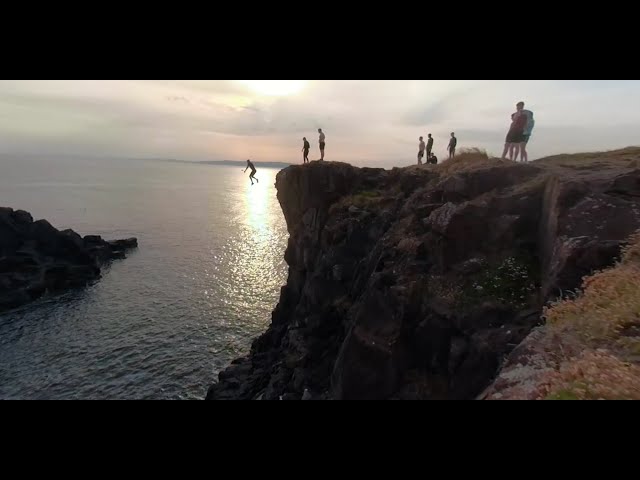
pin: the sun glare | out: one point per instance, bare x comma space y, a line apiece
275, 87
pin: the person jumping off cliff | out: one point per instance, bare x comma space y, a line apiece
305, 150
253, 172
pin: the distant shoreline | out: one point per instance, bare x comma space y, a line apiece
230, 163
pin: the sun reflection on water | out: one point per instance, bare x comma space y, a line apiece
261, 244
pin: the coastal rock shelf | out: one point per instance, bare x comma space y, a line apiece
36, 258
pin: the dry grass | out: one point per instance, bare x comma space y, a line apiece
363, 200
601, 330
607, 313
594, 375
631, 253
625, 157
467, 160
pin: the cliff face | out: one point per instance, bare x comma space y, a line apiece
417, 283
35, 258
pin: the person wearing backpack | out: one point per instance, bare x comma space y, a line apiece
515, 136
526, 134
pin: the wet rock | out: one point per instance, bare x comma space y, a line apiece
36, 258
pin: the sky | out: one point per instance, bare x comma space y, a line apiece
366, 122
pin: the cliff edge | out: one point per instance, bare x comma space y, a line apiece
418, 283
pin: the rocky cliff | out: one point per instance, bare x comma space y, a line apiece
36, 258
417, 283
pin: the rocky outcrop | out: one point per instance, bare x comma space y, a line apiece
418, 283
36, 258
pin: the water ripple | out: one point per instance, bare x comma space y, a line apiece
162, 323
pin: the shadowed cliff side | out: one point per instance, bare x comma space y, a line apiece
417, 283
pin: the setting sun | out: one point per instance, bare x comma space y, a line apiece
275, 87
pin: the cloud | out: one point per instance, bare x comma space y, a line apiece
373, 122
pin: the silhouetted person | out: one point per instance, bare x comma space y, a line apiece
526, 134
421, 147
252, 175
322, 143
515, 135
305, 150
433, 160
452, 145
429, 146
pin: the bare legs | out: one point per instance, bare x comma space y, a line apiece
523, 152
513, 149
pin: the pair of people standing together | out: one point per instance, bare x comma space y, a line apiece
306, 146
522, 124
422, 147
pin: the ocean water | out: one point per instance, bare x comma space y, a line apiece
163, 322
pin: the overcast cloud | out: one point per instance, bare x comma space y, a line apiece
367, 122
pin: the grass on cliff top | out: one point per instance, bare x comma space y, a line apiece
600, 330
625, 157
466, 160
363, 199
475, 158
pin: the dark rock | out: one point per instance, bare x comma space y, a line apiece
125, 244
14, 298
627, 184
22, 218
426, 210
35, 258
17, 263
73, 237
384, 304
93, 239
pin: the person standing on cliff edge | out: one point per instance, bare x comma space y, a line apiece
452, 145
253, 171
429, 147
305, 150
527, 134
421, 147
515, 135
322, 143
